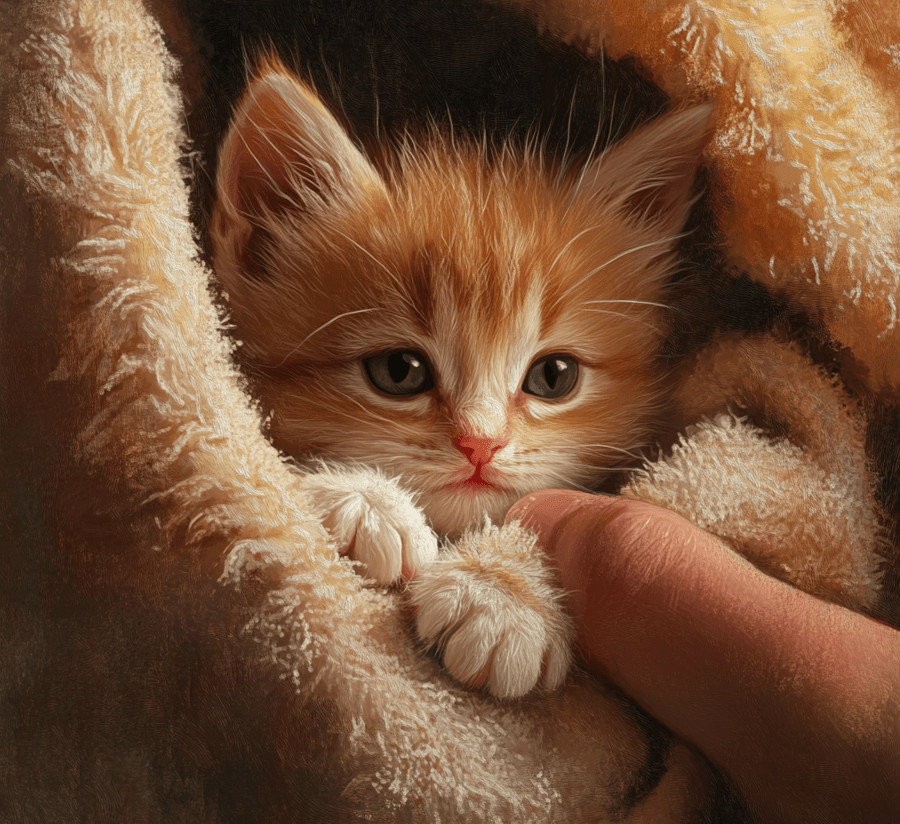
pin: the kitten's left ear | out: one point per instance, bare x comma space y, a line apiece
284, 152
649, 174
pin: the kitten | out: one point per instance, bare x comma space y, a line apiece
447, 331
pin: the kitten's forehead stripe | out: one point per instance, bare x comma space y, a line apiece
481, 260
477, 232
421, 291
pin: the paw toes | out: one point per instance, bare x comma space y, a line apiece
468, 651
489, 636
379, 550
373, 520
516, 666
341, 521
437, 615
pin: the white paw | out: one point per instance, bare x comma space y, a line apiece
373, 521
495, 615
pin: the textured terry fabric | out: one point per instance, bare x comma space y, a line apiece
172, 612
805, 148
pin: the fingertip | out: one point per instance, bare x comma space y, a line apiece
547, 505
551, 513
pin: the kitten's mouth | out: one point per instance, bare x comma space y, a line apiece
476, 483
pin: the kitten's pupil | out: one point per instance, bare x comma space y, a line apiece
400, 364
551, 372
551, 377
400, 372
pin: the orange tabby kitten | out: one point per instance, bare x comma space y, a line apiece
447, 332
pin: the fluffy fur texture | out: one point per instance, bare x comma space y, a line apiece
181, 638
480, 268
191, 639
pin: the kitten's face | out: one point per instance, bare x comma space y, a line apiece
479, 329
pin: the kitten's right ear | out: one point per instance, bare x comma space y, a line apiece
649, 175
285, 152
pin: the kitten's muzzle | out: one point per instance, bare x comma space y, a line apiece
478, 451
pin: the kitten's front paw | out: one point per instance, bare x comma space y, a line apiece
491, 605
372, 520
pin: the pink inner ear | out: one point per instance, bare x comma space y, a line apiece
667, 201
653, 169
262, 161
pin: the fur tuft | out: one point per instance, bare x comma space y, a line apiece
480, 264
492, 275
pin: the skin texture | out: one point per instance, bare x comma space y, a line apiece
797, 700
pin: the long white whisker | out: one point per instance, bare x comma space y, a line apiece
551, 479
575, 454
568, 245
596, 163
637, 302
620, 315
375, 95
393, 276
606, 446
591, 490
565, 154
323, 326
365, 409
332, 84
612, 260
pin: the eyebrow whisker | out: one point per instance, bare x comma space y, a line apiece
602, 266
320, 328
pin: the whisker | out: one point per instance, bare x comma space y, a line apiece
556, 479
369, 411
602, 266
597, 165
570, 484
620, 315
565, 154
391, 459
375, 96
392, 275
590, 161
567, 246
627, 452
323, 326
636, 302
623, 465
333, 85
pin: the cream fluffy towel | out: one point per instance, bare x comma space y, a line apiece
177, 628
807, 98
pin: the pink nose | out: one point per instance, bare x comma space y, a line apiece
478, 450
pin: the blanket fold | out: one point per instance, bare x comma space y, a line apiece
182, 642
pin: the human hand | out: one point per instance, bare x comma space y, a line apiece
796, 699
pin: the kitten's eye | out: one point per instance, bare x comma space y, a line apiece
551, 377
399, 373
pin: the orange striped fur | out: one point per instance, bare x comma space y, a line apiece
481, 261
